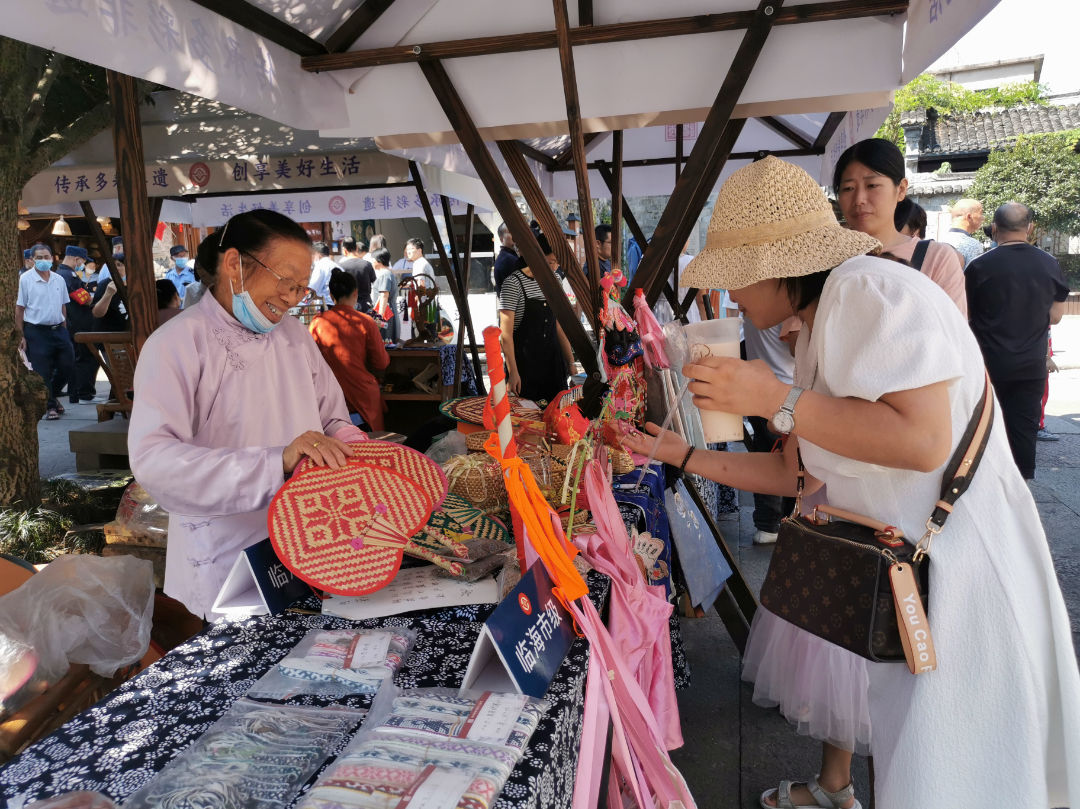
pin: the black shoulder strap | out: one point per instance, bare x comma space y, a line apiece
919, 255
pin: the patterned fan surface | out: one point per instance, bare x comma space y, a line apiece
343, 530
414, 465
470, 409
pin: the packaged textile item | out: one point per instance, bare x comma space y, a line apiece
502, 720
80, 799
335, 662
642, 509
388, 771
255, 757
703, 564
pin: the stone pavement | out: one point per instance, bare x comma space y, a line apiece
735, 750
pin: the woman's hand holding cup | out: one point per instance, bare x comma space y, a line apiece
735, 386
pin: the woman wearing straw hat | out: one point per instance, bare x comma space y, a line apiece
887, 375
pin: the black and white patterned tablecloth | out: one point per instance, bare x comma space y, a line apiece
117, 745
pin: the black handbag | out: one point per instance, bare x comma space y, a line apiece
854, 581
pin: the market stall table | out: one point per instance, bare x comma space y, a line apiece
116, 746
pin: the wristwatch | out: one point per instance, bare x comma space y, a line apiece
783, 420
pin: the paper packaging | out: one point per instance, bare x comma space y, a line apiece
717, 338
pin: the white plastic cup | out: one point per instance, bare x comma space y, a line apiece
717, 338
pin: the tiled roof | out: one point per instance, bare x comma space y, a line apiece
978, 132
928, 185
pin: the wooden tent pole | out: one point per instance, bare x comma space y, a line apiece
135, 221
106, 249
617, 199
496, 186
577, 144
711, 150
463, 282
534, 196
460, 298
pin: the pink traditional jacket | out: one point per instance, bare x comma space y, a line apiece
215, 406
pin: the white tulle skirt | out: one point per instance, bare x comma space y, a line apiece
822, 689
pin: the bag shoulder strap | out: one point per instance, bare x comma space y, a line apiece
919, 254
966, 458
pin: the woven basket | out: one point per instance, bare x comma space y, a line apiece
477, 478
474, 442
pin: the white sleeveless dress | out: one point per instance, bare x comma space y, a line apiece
999, 722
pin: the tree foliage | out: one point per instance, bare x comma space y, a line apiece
926, 90
49, 105
1041, 171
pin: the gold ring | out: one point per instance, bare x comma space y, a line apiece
315, 445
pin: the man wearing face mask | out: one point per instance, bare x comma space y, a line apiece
41, 320
81, 384
181, 274
229, 397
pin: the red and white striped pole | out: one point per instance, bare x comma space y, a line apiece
500, 403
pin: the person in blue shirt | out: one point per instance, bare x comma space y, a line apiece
181, 274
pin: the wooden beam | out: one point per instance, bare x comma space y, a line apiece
678, 150
671, 161
607, 175
534, 196
545, 160
599, 34
105, 246
357, 23
577, 146
563, 159
712, 149
827, 131
155, 214
455, 258
789, 133
450, 101
584, 12
460, 296
616, 198
459, 355
265, 25
135, 221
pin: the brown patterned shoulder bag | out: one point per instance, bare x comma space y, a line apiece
854, 581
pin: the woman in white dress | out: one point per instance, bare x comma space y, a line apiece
891, 375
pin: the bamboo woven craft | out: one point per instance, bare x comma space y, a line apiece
343, 530
470, 409
478, 479
414, 465
458, 515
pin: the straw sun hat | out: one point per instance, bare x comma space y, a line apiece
771, 220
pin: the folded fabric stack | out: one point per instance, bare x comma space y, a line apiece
256, 756
361, 658
382, 770
434, 748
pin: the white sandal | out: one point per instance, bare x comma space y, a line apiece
825, 799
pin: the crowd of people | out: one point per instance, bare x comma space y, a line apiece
871, 341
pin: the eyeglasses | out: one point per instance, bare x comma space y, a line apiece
286, 286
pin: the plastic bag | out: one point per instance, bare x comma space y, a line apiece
139, 512
83, 609
335, 662
256, 756
445, 448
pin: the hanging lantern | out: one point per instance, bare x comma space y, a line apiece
22, 224
61, 228
23, 211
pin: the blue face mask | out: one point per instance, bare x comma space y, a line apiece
42, 264
249, 315
181, 263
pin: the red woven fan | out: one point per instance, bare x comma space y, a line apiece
343, 530
414, 465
